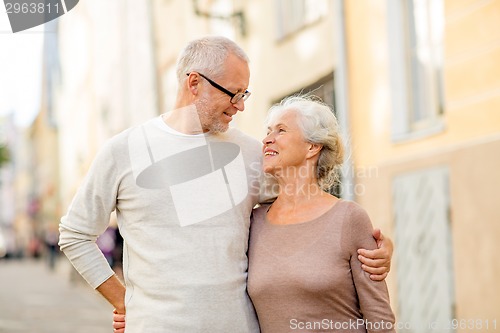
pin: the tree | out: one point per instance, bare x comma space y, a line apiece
4, 155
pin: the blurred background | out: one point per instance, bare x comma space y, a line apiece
415, 85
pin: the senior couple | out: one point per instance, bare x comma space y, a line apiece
203, 260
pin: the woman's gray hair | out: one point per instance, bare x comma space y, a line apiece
319, 125
207, 55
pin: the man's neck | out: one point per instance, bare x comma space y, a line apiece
184, 119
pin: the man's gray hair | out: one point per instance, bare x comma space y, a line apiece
318, 125
207, 55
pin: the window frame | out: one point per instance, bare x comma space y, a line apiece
412, 95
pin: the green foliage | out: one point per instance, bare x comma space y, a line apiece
4, 155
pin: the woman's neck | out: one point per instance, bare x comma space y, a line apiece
296, 190
300, 202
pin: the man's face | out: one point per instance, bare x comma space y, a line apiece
214, 106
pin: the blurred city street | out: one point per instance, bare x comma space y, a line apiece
35, 299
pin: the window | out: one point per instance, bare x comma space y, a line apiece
416, 36
323, 88
292, 15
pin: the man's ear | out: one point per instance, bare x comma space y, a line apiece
192, 83
314, 149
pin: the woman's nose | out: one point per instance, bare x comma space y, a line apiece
268, 139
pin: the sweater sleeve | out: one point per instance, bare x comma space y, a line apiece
88, 217
373, 295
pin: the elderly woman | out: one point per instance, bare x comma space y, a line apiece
304, 274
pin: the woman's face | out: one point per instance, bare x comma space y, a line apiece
285, 149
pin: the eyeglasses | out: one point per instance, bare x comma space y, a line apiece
235, 98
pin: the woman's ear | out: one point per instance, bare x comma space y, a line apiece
314, 149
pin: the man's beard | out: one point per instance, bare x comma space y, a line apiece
209, 119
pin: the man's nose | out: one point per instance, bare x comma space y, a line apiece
240, 105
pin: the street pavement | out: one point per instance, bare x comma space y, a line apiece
35, 299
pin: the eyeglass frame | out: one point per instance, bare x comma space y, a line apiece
244, 95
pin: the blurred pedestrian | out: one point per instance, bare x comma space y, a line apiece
106, 243
51, 239
35, 247
118, 255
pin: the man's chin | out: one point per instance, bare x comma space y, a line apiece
219, 128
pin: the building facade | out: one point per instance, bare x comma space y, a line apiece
424, 103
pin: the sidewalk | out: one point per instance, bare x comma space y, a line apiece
34, 299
